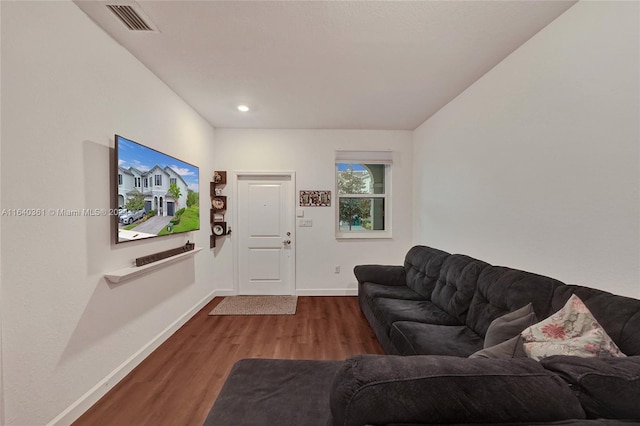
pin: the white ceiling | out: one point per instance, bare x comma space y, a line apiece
325, 64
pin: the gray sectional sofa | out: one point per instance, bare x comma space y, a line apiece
442, 304
432, 316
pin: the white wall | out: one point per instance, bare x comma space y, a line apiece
311, 154
1, 302
536, 165
67, 88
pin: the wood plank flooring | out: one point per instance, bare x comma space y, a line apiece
178, 383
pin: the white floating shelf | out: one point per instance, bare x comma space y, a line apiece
134, 271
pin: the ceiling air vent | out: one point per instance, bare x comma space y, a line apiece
131, 17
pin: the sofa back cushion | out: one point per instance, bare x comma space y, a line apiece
422, 266
573, 330
501, 290
456, 284
618, 315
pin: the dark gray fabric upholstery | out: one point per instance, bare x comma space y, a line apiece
512, 348
422, 269
618, 315
392, 310
502, 290
267, 392
456, 284
385, 390
372, 290
380, 329
606, 387
382, 274
509, 325
413, 338
581, 422
384, 301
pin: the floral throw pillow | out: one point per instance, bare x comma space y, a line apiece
571, 331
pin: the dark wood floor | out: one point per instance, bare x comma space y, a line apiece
178, 383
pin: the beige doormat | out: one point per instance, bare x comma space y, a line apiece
256, 305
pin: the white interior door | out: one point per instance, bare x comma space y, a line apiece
265, 226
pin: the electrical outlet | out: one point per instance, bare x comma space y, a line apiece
337, 270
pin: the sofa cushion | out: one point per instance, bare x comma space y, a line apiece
619, 315
606, 387
414, 338
580, 422
266, 392
381, 330
384, 390
456, 284
572, 330
511, 348
502, 290
503, 339
509, 325
373, 290
422, 269
392, 310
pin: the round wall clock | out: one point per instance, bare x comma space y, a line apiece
218, 203
218, 230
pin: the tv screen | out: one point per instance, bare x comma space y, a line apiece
156, 194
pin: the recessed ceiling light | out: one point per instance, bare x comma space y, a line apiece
243, 108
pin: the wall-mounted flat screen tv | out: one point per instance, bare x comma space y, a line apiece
156, 194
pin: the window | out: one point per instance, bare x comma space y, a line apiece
173, 181
158, 181
119, 179
363, 195
137, 182
146, 182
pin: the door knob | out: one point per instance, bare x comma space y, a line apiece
287, 241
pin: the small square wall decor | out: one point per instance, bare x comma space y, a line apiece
315, 198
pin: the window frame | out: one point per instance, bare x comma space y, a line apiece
386, 196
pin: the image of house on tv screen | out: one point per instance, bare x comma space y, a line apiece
157, 194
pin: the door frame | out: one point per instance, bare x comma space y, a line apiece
236, 258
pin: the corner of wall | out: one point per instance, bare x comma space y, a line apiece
1, 359
536, 164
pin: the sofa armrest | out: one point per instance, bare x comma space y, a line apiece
380, 274
606, 387
373, 389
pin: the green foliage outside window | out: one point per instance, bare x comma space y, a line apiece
353, 211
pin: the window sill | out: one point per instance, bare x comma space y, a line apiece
364, 235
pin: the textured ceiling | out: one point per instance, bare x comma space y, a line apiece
325, 64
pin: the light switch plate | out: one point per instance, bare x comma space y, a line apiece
305, 223
300, 212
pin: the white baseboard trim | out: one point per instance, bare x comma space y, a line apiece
327, 292
82, 404
221, 293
